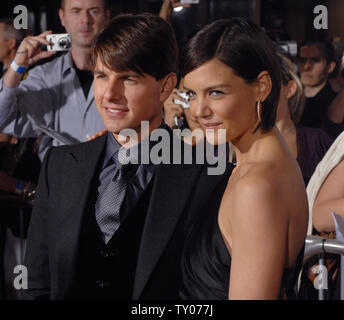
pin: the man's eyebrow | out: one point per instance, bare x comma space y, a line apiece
131, 75
98, 71
78, 8
121, 75
312, 57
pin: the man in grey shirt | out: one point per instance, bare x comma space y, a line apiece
57, 95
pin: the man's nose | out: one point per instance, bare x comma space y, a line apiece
86, 17
308, 65
114, 90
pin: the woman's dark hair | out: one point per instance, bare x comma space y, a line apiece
143, 43
245, 48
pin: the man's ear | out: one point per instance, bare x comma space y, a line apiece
61, 15
168, 83
291, 88
264, 85
331, 67
107, 14
12, 43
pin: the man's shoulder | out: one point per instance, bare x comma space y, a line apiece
327, 94
82, 148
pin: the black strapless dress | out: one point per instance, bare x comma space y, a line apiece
206, 261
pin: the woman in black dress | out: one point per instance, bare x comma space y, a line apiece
246, 244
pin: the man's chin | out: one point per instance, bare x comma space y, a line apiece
85, 43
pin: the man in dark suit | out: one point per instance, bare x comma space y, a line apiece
86, 242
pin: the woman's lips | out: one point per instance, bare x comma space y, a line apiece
210, 125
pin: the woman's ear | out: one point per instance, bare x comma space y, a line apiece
264, 85
291, 88
168, 83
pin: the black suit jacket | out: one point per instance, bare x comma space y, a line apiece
62, 194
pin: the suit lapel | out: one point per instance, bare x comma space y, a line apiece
79, 168
172, 188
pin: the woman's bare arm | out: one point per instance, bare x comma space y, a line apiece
330, 198
259, 240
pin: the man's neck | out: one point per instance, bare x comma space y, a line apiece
81, 57
311, 92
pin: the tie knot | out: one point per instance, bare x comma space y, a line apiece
122, 162
121, 158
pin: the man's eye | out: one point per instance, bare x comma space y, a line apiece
75, 11
130, 80
95, 11
100, 76
302, 60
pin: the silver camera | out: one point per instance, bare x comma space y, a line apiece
189, 1
59, 42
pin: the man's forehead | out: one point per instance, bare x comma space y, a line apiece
84, 3
311, 51
101, 67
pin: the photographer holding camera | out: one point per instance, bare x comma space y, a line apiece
56, 95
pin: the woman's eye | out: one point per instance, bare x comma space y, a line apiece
215, 93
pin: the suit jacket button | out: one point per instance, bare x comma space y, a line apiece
100, 283
104, 254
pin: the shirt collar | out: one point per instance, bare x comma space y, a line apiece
112, 146
67, 62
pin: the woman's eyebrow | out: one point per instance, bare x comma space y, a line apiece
211, 87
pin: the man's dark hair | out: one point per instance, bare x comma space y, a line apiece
12, 32
143, 43
245, 48
326, 47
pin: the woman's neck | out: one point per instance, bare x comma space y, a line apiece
248, 146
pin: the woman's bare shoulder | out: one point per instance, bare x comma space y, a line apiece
261, 187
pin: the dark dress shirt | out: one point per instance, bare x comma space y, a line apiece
315, 112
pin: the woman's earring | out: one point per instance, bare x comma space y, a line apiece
259, 111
